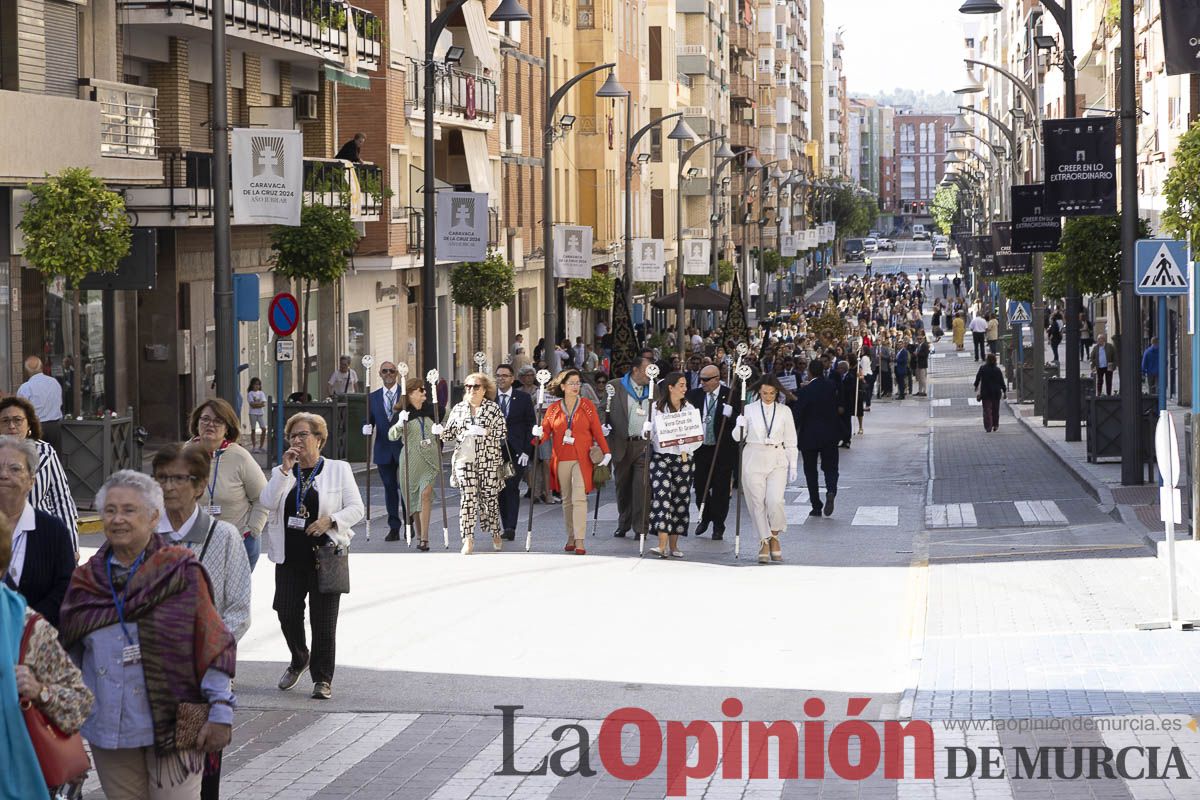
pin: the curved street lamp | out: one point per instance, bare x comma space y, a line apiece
631, 143
684, 157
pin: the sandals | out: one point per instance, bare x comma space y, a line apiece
570, 547
423, 545
468, 545
764, 553
497, 542
776, 549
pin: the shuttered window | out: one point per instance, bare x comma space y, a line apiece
62, 49
201, 130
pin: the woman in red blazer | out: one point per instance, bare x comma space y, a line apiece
573, 425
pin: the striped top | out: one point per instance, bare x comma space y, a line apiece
51, 491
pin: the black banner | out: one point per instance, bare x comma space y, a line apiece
983, 256
1008, 262
1081, 166
1181, 35
1033, 231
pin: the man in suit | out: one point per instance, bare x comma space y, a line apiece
630, 413
818, 430
693, 373
381, 414
517, 407
844, 382
903, 358
716, 405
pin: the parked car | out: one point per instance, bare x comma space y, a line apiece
941, 250
853, 250
887, 244
870, 245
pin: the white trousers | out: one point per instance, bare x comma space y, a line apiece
764, 478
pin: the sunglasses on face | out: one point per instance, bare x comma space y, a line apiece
472, 386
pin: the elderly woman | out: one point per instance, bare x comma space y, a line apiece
51, 492
33, 669
43, 555
477, 425
140, 621
232, 490
421, 460
313, 501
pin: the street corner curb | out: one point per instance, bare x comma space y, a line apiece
1100, 492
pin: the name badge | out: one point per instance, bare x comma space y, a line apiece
214, 511
297, 523
426, 442
131, 654
568, 438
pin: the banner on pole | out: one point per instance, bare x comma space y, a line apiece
812, 239
1006, 261
267, 174
462, 226
788, 246
984, 255
1081, 166
1033, 231
572, 251
1181, 35
696, 253
648, 261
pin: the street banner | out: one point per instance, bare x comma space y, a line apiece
695, 256
1181, 35
832, 230
462, 226
812, 239
572, 251
1033, 231
788, 246
679, 427
648, 261
1081, 166
267, 176
1006, 261
984, 255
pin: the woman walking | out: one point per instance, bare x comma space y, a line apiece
573, 425
960, 331
421, 460
314, 502
671, 468
477, 427
768, 462
989, 388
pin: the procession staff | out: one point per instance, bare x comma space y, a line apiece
609, 391
769, 433
368, 361
713, 400
671, 467
431, 378
543, 377
651, 372
402, 370
743, 373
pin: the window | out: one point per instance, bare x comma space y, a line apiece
524, 304
656, 214
656, 137
62, 48
656, 54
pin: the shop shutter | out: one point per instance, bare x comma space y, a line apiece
62, 48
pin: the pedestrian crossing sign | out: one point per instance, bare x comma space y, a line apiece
1161, 267
1019, 312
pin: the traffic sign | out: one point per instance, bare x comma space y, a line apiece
1020, 312
1166, 450
284, 314
285, 350
1161, 265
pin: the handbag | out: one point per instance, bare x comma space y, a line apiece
333, 569
61, 756
189, 719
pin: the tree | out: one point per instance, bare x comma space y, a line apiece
725, 271
484, 286
590, 294
945, 207
1182, 188
74, 226
854, 214
318, 249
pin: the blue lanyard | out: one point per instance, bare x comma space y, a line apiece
212, 486
302, 486
763, 410
628, 384
119, 600
571, 416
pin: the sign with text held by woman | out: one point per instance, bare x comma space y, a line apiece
679, 427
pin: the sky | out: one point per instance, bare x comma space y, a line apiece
911, 45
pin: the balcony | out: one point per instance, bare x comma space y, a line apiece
692, 59
742, 90
743, 40
697, 119
416, 229
699, 186
187, 199
460, 97
319, 29
741, 135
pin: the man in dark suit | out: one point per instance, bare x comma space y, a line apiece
844, 381
818, 430
381, 414
716, 405
519, 414
630, 412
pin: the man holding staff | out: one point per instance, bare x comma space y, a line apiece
630, 412
716, 458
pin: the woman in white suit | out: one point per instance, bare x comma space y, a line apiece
768, 462
313, 501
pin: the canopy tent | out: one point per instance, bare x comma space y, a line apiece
696, 298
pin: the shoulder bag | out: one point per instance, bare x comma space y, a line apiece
333, 569
60, 755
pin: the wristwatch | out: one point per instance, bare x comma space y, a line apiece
44, 695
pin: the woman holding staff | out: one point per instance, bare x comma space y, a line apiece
671, 466
419, 469
768, 463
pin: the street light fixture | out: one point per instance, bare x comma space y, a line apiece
961, 125
566, 122
1043, 42
970, 85
454, 55
631, 142
980, 7
681, 134
643, 158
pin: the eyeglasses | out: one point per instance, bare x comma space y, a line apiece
299, 435
387, 372
212, 421
13, 421
472, 386
174, 480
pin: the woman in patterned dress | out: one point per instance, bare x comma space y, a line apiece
477, 427
422, 457
671, 468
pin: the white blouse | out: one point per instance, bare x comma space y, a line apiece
776, 416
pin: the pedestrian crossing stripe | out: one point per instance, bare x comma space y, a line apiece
1019, 314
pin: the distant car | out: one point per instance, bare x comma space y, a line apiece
875, 234
940, 239
919, 233
853, 250
870, 245
887, 244
941, 250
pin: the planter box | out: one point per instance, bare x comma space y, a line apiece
1056, 399
1025, 380
93, 449
1104, 427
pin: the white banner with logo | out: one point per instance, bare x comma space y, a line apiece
462, 226
648, 261
267, 176
572, 251
812, 238
696, 253
788, 246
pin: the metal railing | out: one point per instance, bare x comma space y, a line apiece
456, 92
128, 119
416, 229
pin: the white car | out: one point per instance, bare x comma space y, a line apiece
887, 244
941, 250
870, 245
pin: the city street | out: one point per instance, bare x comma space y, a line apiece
964, 576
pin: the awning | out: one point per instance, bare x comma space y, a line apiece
695, 298
351, 79
413, 39
481, 40
478, 166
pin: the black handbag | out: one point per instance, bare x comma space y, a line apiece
333, 569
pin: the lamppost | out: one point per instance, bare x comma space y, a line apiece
610, 89
762, 224
684, 157
1009, 134
1131, 393
721, 159
508, 11
631, 143
751, 167
795, 177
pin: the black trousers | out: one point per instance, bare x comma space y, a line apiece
391, 495
828, 456
901, 383
885, 384
716, 505
510, 500
979, 340
293, 584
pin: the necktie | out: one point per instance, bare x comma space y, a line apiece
389, 398
504, 404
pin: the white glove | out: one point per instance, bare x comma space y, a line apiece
740, 422
537, 431
523, 460
604, 462
646, 428
606, 429
792, 474
402, 417
368, 429
476, 430
727, 410
437, 429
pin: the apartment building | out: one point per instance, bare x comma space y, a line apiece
920, 145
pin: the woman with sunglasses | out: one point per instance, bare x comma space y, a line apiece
421, 460
476, 426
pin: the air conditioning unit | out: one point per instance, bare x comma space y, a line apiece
306, 106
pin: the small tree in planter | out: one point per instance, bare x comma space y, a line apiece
74, 226
484, 286
318, 249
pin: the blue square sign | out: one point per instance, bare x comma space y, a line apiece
1161, 267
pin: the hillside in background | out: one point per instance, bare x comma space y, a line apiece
920, 101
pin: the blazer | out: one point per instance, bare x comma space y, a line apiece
585, 429
902, 358
696, 397
520, 421
339, 497
386, 451
49, 563
618, 440
815, 413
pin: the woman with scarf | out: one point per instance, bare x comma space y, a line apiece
421, 459
477, 426
140, 621
42, 675
768, 462
671, 468
313, 501
51, 491
232, 491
